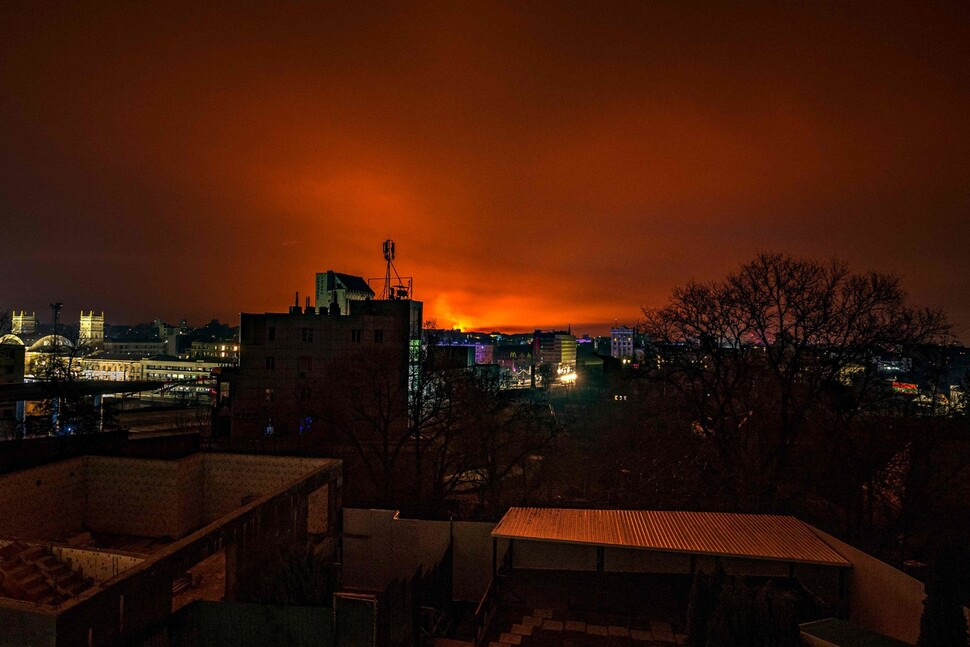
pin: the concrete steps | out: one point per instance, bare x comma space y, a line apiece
542, 626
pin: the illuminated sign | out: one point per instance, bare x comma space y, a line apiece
905, 387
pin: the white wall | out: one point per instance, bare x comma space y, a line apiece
881, 598
379, 546
473, 559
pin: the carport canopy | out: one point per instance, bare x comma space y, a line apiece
719, 534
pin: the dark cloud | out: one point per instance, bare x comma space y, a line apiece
538, 164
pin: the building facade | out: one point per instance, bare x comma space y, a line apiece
135, 348
219, 351
91, 329
287, 361
621, 342
189, 380
556, 349
22, 323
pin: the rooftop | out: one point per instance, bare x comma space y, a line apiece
757, 536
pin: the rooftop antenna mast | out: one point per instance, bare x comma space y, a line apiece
398, 289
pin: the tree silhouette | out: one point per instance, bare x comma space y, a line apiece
756, 356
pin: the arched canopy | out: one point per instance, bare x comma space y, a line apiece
46, 343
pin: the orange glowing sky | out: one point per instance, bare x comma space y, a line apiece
538, 164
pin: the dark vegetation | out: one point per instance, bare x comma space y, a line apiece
757, 393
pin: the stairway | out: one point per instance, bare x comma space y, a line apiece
545, 628
33, 574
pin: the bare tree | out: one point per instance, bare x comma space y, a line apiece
367, 404
503, 434
756, 355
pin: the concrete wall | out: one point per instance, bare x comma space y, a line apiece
27, 624
368, 548
318, 510
45, 502
881, 598
473, 559
131, 496
132, 595
146, 498
379, 546
232, 478
191, 493
99, 565
119, 607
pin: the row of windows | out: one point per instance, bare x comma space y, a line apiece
304, 364
356, 334
306, 335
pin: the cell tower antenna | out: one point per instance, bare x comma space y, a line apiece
394, 286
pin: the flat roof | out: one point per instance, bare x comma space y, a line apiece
757, 536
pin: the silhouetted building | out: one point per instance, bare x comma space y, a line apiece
335, 287
287, 360
11, 372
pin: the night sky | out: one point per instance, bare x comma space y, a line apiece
538, 164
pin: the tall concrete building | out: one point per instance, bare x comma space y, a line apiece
557, 349
290, 362
335, 287
621, 342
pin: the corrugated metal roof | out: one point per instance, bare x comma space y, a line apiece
758, 536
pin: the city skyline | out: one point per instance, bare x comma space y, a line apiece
538, 166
